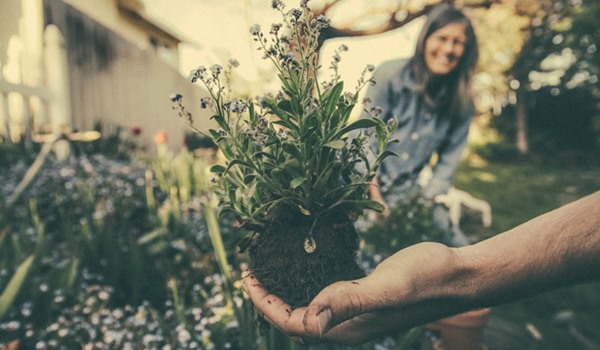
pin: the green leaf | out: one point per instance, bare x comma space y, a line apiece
285, 83
344, 191
363, 123
270, 204
285, 105
14, 285
278, 111
232, 198
293, 150
238, 162
288, 124
303, 210
337, 144
249, 178
219, 169
214, 134
308, 86
359, 204
346, 111
384, 155
221, 121
333, 98
70, 274
152, 235
250, 191
226, 149
260, 154
251, 114
297, 182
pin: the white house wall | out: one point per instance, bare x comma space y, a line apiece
114, 82
110, 80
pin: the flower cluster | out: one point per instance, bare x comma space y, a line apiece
297, 148
93, 214
90, 322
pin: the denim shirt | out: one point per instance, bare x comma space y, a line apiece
421, 132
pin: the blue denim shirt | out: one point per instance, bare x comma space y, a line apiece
421, 132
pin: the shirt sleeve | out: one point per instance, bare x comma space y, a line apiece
449, 156
377, 95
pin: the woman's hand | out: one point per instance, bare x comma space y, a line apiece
375, 194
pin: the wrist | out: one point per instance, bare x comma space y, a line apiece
430, 272
433, 282
451, 275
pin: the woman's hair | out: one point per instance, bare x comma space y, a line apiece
453, 91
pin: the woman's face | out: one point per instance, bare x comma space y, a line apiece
444, 48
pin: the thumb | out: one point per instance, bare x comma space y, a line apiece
335, 304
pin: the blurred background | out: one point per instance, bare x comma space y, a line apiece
108, 239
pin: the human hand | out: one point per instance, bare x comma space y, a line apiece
375, 194
353, 312
309, 324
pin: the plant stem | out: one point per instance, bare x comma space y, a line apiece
219, 249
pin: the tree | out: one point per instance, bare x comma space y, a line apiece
379, 16
560, 52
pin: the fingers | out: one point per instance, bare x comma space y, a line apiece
273, 309
338, 314
335, 304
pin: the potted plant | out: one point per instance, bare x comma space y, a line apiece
296, 172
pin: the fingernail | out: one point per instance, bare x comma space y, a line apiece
323, 319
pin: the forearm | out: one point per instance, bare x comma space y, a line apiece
448, 161
556, 249
429, 281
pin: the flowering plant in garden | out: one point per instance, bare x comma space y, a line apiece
292, 149
113, 250
295, 158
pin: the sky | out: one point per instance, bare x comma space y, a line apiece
219, 30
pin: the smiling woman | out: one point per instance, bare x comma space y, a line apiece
444, 48
429, 95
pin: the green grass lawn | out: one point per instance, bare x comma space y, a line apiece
518, 192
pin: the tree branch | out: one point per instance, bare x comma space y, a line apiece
348, 30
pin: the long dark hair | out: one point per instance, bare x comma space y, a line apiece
453, 91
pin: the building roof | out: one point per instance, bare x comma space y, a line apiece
135, 11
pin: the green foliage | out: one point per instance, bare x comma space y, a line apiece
96, 238
561, 128
519, 192
195, 141
11, 290
299, 149
11, 153
502, 152
579, 33
122, 260
115, 143
409, 222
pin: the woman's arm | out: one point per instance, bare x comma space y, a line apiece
449, 158
429, 281
375, 194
